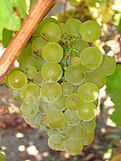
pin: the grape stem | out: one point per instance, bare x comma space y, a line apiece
37, 12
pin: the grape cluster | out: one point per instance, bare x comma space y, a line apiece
58, 81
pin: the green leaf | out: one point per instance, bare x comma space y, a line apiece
7, 35
114, 90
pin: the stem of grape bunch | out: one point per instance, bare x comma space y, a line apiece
39, 9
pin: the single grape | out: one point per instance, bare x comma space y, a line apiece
61, 103
74, 146
90, 31
72, 101
88, 92
37, 45
97, 77
29, 120
89, 138
72, 118
51, 32
87, 111
51, 92
31, 93
108, 65
51, 72
64, 28
91, 58
52, 52
75, 74
55, 118
89, 125
74, 25
31, 72
67, 88
75, 61
16, 79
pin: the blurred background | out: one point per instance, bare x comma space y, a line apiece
20, 142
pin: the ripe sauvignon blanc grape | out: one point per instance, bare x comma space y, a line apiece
51, 32
72, 101
67, 88
88, 92
75, 61
16, 79
91, 58
89, 138
52, 52
89, 33
51, 92
51, 72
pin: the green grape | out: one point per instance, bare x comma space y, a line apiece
16, 95
31, 93
43, 22
91, 58
90, 31
88, 92
78, 132
16, 79
72, 118
31, 72
72, 101
61, 103
108, 65
67, 88
52, 52
29, 109
65, 131
97, 77
64, 28
40, 121
38, 80
51, 32
78, 45
89, 125
75, 61
29, 120
87, 111
75, 74
51, 92
89, 138
74, 146
55, 142
74, 25
37, 45
51, 72
43, 106
55, 118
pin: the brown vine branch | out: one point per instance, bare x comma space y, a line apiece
37, 13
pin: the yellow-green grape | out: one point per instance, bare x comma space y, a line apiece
72, 101
16, 95
88, 92
89, 138
87, 111
52, 52
91, 58
74, 146
72, 118
51, 32
55, 118
51, 72
37, 45
64, 28
75, 74
40, 121
55, 142
51, 92
108, 65
75, 61
16, 79
31, 72
61, 103
67, 88
90, 31
30, 93
74, 25
89, 125
38, 80
97, 77
78, 132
